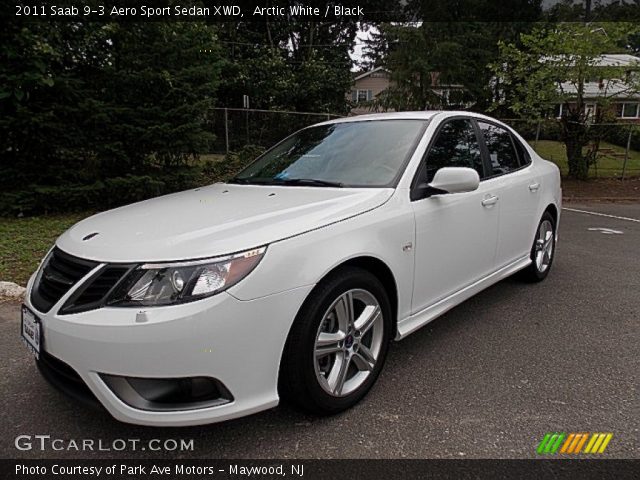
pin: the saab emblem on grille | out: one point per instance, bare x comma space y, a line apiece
90, 236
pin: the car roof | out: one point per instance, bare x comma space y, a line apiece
418, 115
424, 115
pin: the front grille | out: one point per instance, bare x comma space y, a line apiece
94, 293
61, 272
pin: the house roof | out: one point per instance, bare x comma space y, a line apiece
618, 60
615, 88
366, 74
612, 89
605, 60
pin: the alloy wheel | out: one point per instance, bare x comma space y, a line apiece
348, 342
544, 246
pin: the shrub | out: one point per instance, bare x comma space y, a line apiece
620, 135
116, 191
231, 164
111, 192
549, 129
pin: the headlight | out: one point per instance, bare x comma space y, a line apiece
168, 283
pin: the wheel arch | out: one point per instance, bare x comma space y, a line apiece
382, 272
371, 264
553, 211
379, 269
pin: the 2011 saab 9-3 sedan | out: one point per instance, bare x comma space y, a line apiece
290, 279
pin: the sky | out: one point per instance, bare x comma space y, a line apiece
361, 36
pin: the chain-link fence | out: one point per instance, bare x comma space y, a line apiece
237, 127
616, 146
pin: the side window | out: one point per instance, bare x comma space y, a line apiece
455, 146
523, 153
502, 155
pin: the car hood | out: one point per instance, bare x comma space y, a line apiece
214, 220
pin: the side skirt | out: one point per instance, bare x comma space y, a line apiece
413, 322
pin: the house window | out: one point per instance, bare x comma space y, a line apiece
364, 95
558, 110
361, 95
590, 110
627, 110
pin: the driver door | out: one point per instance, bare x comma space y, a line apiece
456, 234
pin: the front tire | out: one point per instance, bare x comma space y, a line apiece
542, 251
338, 343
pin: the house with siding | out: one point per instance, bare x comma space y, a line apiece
623, 97
368, 85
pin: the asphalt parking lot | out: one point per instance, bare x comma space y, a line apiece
488, 379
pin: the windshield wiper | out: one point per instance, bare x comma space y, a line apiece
237, 180
311, 182
250, 181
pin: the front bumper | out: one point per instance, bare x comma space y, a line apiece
239, 343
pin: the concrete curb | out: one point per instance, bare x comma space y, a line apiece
602, 199
11, 291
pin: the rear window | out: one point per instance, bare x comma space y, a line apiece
523, 153
502, 153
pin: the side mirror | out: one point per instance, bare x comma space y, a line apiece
454, 180
448, 180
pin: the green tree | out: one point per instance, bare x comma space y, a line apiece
552, 67
82, 101
401, 49
287, 63
589, 10
156, 94
450, 45
43, 70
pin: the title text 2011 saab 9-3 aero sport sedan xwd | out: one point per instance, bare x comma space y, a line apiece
290, 279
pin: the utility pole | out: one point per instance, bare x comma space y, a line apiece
587, 11
626, 152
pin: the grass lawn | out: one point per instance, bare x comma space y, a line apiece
211, 157
607, 166
24, 241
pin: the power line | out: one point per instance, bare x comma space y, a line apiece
257, 44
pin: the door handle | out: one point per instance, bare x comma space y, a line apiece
534, 187
487, 202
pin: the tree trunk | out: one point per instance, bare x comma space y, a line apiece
574, 135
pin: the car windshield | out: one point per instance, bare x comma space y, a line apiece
351, 154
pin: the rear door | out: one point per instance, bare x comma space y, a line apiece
456, 233
512, 178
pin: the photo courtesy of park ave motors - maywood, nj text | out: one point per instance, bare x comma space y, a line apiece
320, 239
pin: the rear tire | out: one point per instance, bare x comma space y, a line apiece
338, 343
542, 251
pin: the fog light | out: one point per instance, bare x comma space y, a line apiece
168, 393
175, 390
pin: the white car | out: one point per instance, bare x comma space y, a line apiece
291, 279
